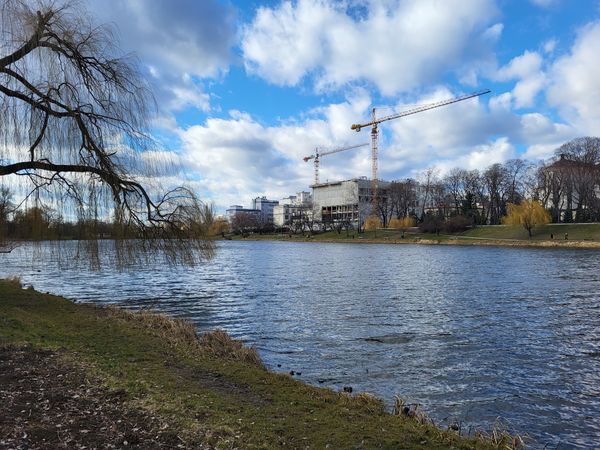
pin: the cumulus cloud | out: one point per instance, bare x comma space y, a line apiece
238, 158
471, 134
481, 156
527, 69
574, 87
397, 45
178, 45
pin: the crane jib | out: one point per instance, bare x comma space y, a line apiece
374, 131
419, 109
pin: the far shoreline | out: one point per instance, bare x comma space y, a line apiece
570, 236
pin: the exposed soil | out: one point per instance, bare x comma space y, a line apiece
48, 403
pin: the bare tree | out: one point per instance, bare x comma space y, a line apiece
243, 223
454, 184
428, 179
383, 207
475, 202
74, 119
403, 197
516, 172
306, 210
6, 204
496, 182
6, 207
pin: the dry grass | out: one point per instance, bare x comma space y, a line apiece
411, 410
365, 401
219, 343
160, 364
499, 437
181, 334
14, 282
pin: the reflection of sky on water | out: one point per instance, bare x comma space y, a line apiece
470, 333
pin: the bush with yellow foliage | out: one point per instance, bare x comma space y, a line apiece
529, 213
402, 223
218, 227
372, 223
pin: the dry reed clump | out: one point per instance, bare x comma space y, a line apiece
411, 410
367, 401
219, 343
182, 335
179, 333
14, 282
501, 438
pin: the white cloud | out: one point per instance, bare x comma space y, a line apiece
471, 134
541, 152
398, 45
535, 128
521, 66
238, 158
575, 81
527, 69
177, 44
481, 156
549, 46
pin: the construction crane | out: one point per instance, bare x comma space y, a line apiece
376, 121
323, 152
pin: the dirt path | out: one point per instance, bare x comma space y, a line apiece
46, 403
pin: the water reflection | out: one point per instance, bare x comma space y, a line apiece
470, 333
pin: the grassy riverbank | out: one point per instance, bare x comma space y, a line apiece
552, 235
75, 374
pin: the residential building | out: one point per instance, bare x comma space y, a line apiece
292, 209
265, 207
239, 209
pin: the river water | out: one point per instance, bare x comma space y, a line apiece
472, 334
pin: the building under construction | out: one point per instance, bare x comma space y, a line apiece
348, 201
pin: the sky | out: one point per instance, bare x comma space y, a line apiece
246, 88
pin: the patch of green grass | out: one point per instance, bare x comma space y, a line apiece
208, 388
580, 232
484, 234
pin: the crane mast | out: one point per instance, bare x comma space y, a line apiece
376, 121
323, 152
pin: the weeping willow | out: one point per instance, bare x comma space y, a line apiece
74, 121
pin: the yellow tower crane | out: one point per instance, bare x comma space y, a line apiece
376, 121
323, 152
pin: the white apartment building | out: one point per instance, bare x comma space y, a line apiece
265, 207
292, 208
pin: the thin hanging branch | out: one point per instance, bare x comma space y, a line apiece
69, 105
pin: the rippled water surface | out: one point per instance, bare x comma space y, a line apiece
472, 334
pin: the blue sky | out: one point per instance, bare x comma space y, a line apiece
246, 88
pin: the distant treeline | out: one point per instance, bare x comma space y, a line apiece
39, 223
568, 186
43, 223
